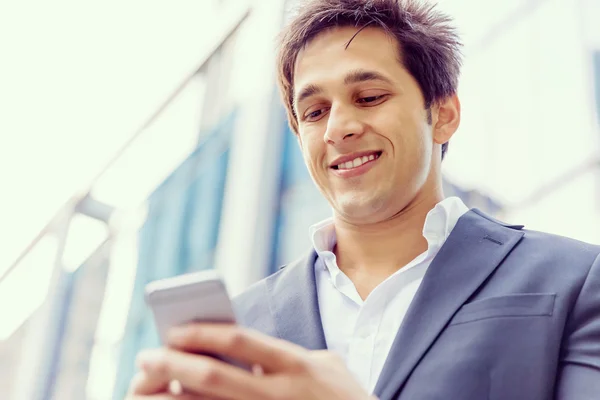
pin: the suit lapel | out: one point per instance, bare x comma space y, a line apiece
475, 247
293, 297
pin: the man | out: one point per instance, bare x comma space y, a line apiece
414, 296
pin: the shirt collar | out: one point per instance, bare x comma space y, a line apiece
438, 224
441, 220
322, 235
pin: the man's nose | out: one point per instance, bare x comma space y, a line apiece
343, 124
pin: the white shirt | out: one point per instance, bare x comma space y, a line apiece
360, 331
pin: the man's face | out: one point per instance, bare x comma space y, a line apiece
362, 125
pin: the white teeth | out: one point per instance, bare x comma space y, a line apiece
357, 162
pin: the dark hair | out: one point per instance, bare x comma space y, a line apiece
429, 44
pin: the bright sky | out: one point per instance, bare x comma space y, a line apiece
76, 80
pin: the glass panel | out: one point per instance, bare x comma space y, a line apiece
84, 237
20, 295
113, 314
300, 205
179, 235
76, 319
597, 83
157, 152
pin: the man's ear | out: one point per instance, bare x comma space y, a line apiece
447, 119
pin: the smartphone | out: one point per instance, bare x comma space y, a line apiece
193, 297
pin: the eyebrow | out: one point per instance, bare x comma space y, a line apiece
363, 75
355, 76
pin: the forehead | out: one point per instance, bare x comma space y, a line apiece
329, 53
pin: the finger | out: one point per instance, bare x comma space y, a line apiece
249, 347
171, 397
143, 384
203, 375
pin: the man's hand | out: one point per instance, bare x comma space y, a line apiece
281, 369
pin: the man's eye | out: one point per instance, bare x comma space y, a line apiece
314, 115
370, 99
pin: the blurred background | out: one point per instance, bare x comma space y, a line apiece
145, 139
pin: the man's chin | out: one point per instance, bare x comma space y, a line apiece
359, 210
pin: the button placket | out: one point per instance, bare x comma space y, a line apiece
364, 338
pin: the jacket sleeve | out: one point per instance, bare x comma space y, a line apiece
579, 368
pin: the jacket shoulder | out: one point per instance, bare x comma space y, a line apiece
253, 306
256, 293
557, 245
549, 243
496, 221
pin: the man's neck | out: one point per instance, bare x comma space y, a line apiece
368, 254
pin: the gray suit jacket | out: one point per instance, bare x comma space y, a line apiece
502, 314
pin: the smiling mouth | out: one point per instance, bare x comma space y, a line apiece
357, 162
